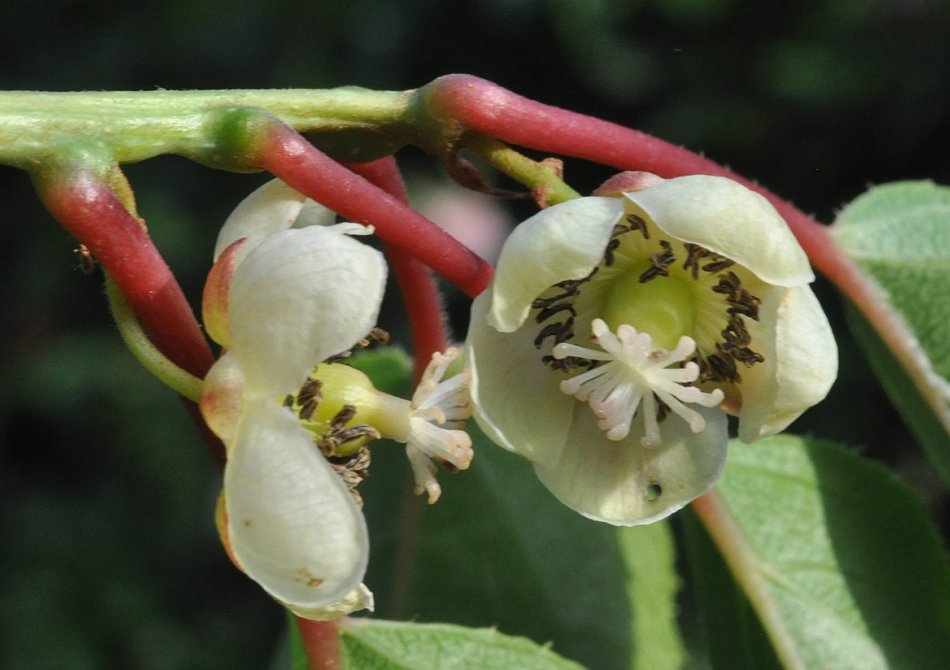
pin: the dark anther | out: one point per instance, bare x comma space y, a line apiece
746, 356
375, 336
720, 263
609, 251
735, 333
659, 264
561, 332
551, 310
741, 302
309, 397
693, 253
637, 223
569, 363
334, 440
720, 367
352, 470
343, 417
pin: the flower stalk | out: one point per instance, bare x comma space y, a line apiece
420, 293
92, 212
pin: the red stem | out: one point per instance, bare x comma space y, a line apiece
481, 106
92, 213
288, 155
467, 103
95, 216
321, 644
420, 293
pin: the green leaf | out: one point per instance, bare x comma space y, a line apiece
499, 550
731, 634
903, 394
389, 368
389, 645
652, 584
838, 557
899, 235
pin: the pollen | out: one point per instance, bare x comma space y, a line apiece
630, 377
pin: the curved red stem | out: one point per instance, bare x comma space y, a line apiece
481, 106
93, 214
420, 293
288, 155
321, 644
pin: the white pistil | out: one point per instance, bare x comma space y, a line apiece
437, 415
633, 373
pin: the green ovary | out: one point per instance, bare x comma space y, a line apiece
662, 307
345, 385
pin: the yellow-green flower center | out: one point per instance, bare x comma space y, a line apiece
662, 307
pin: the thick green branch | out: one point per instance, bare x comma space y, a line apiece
134, 126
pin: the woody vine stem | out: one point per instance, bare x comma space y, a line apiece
73, 144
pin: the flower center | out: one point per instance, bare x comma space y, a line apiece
343, 409
632, 373
664, 308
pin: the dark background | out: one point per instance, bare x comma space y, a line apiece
108, 555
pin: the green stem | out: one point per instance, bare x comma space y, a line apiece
142, 348
543, 178
132, 126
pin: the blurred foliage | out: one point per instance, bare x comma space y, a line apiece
108, 557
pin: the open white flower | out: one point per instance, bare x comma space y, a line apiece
619, 331
282, 301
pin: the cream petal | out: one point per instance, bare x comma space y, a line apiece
298, 298
269, 209
360, 598
800, 364
222, 397
517, 400
729, 219
292, 525
561, 242
611, 481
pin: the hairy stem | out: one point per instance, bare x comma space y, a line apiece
418, 287
288, 155
145, 351
467, 104
321, 644
427, 322
92, 213
543, 178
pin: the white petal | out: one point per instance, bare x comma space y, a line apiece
611, 481
271, 208
729, 219
222, 397
516, 398
561, 242
797, 372
292, 525
300, 297
360, 598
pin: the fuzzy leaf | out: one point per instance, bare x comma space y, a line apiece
390, 645
899, 235
847, 569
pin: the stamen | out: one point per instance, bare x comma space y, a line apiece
635, 374
438, 412
659, 263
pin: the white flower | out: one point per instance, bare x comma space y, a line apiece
281, 300
618, 332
